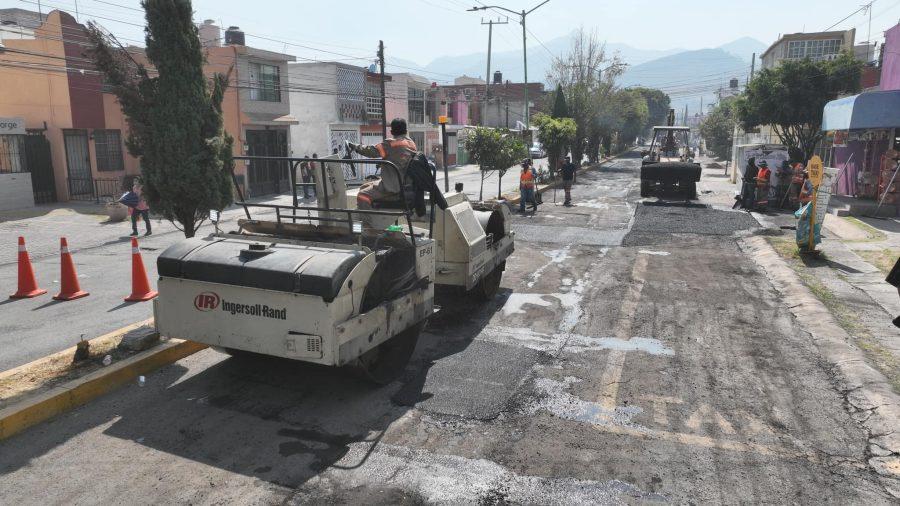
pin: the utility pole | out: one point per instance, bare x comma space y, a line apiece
752, 68
383, 102
487, 75
868, 7
522, 15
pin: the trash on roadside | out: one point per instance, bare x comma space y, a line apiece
82, 350
107, 360
142, 381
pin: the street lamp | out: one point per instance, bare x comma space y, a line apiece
522, 16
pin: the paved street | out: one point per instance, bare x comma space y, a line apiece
634, 354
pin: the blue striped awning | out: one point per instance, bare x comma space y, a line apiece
873, 109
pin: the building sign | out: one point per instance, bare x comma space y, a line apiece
12, 126
823, 193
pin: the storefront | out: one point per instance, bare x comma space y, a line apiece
863, 140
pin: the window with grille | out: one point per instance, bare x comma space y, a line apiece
374, 105
265, 82
108, 145
416, 102
12, 154
813, 49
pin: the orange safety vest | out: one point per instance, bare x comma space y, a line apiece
526, 180
400, 152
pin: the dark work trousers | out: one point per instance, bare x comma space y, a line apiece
145, 215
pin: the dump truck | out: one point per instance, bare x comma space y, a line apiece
311, 283
668, 167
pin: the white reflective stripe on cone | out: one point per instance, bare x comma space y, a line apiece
135, 251
63, 249
21, 248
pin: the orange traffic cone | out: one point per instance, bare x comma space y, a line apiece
140, 285
68, 279
27, 283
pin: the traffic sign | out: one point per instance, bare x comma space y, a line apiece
816, 170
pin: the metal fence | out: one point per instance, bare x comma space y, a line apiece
12, 154
97, 190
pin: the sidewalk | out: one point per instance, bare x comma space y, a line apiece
847, 276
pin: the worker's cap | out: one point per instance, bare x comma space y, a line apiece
763, 163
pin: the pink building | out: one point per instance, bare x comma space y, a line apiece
890, 67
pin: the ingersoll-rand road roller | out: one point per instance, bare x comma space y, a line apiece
331, 284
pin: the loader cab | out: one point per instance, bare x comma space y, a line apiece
669, 144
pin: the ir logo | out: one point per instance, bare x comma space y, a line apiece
206, 301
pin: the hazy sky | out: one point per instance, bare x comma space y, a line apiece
420, 30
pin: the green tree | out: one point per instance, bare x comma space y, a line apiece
658, 104
560, 109
791, 97
587, 76
717, 129
174, 117
633, 113
494, 150
556, 135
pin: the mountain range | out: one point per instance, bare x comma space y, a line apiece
688, 76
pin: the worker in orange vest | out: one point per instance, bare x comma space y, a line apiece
398, 149
526, 188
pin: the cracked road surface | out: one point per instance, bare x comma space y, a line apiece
634, 354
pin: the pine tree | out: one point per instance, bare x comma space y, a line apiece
560, 109
174, 118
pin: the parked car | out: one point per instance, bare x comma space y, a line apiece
537, 150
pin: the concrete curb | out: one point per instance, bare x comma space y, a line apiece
514, 198
33, 410
867, 393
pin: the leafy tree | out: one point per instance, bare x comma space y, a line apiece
494, 150
633, 113
658, 104
556, 135
791, 97
560, 109
717, 129
586, 75
174, 117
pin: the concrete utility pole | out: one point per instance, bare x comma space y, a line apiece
752, 68
383, 102
487, 75
522, 15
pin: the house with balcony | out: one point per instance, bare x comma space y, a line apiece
69, 130
334, 102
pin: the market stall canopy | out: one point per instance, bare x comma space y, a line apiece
874, 109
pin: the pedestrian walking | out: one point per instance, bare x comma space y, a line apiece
526, 188
141, 210
568, 177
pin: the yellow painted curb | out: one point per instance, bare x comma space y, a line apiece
36, 409
70, 352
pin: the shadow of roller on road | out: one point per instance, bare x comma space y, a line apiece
278, 420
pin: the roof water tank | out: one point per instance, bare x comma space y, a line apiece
498, 77
234, 35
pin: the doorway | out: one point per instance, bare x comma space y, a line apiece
78, 164
267, 176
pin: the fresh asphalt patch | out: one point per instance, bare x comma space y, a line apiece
476, 383
568, 235
655, 222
